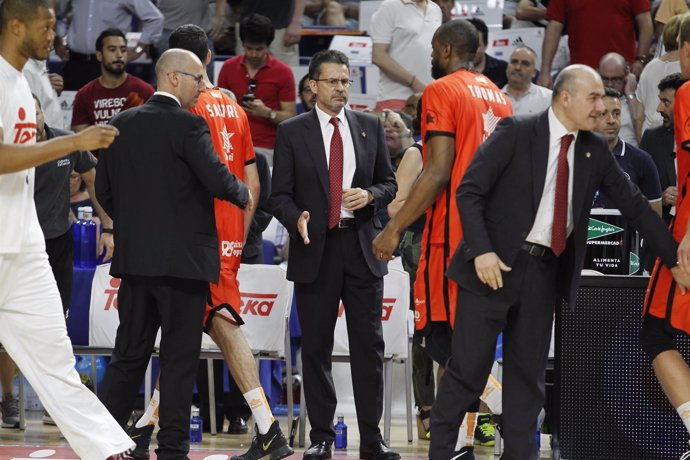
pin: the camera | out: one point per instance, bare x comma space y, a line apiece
249, 95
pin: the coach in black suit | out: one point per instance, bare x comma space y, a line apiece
331, 173
157, 182
525, 201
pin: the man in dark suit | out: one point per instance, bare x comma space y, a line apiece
658, 142
525, 201
326, 190
157, 182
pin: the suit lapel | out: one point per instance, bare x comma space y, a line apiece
315, 146
358, 136
540, 157
583, 165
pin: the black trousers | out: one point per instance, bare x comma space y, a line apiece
344, 274
523, 310
61, 257
144, 304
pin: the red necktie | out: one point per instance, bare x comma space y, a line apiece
335, 175
560, 205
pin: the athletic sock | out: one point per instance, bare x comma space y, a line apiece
150, 417
260, 410
684, 413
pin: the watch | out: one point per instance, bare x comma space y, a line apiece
272, 115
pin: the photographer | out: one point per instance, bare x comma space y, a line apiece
263, 84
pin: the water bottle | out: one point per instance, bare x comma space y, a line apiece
76, 236
87, 239
341, 434
540, 421
196, 426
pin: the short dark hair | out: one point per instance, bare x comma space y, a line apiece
326, 57
673, 81
610, 92
109, 32
24, 10
462, 36
192, 38
302, 81
482, 28
255, 28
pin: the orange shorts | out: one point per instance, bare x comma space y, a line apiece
664, 300
434, 294
224, 299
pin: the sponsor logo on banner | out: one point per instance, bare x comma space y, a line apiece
388, 305
597, 229
257, 304
111, 294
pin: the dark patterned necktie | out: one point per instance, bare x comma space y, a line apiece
560, 205
335, 175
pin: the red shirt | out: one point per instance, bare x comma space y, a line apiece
275, 83
596, 27
96, 105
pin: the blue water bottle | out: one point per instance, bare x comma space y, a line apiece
341, 434
87, 239
196, 427
76, 236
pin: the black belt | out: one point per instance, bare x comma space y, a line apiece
536, 250
347, 222
73, 55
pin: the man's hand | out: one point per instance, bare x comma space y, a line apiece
292, 34
56, 82
489, 267
630, 84
682, 279
545, 80
107, 243
257, 108
669, 196
302, 226
636, 68
356, 198
250, 202
385, 244
217, 27
95, 137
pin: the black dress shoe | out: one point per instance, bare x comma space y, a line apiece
377, 451
318, 451
237, 426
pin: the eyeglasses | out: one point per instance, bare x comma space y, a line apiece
612, 79
199, 78
333, 82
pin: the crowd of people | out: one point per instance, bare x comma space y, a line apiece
430, 176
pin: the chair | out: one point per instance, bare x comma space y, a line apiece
396, 304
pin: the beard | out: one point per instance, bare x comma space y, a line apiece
115, 70
436, 70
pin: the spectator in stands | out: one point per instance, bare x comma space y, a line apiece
103, 98
525, 96
402, 33
286, 17
446, 9
80, 22
397, 127
668, 9
264, 85
306, 95
659, 143
180, 12
491, 67
334, 13
637, 164
615, 23
647, 91
410, 107
47, 87
615, 73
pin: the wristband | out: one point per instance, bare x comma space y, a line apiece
107, 230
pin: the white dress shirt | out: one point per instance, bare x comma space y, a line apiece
543, 222
349, 160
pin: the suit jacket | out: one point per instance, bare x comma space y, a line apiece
300, 183
157, 181
658, 142
500, 193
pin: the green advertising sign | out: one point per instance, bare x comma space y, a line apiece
597, 229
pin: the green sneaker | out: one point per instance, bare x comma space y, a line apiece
485, 431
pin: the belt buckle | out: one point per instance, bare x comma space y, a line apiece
535, 250
342, 223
